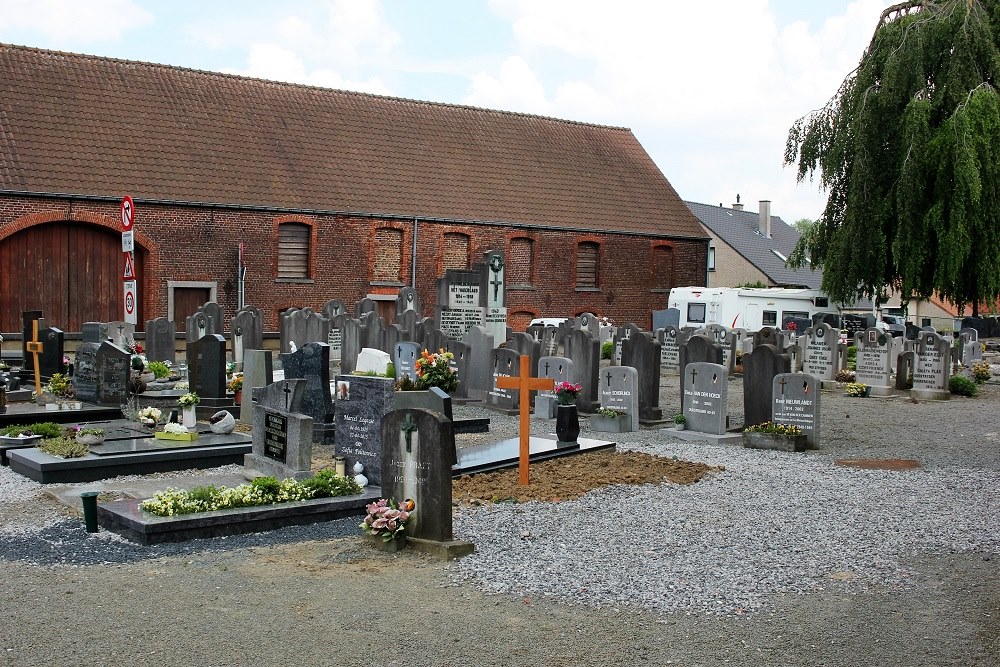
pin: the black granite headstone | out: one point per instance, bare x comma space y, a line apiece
312, 364
206, 359
361, 403
85, 377
642, 352
113, 371
760, 366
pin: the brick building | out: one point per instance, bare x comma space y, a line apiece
334, 194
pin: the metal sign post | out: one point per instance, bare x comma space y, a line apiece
128, 250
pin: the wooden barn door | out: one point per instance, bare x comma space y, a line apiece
72, 272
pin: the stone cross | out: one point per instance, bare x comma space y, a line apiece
35, 347
524, 383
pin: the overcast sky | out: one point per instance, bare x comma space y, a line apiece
709, 88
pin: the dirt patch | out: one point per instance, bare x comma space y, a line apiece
572, 476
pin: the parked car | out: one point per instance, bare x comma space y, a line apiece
895, 325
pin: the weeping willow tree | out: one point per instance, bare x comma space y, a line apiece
908, 152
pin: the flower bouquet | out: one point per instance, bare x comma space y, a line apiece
434, 370
567, 392
386, 519
188, 400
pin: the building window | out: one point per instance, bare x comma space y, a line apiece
711, 259
520, 261
588, 265
769, 318
662, 273
455, 252
293, 250
388, 254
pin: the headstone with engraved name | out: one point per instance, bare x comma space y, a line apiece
361, 404
85, 376
932, 367
418, 450
459, 302
873, 366
404, 358
705, 405
281, 436
619, 390
694, 349
461, 357
796, 402
334, 311
121, 333
505, 363
95, 332
197, 325
479, 380
495, 297
624, 332
669, 350
819, 352
247, 331
112, 373
206, 359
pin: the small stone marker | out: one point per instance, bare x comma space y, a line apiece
796, 402
524, 383
706, 397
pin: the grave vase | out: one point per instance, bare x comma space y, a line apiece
390, 546
567, 423
188, 417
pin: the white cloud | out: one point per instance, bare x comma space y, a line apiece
71, 22
270, 61
514, 87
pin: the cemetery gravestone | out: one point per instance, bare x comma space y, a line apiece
352, 343
95, 332
705, 403
257, 374
50, 361
361, 404
408, 300
820, 352
495, 313
301, 326
247, 331
873, 366
113, 370
760, 367
641, 352
196, 326
281, 435
697, 348
418, 451
931, 370
206, 360
312, 364
796, 402
619, 390
161, 336
479, 380
461, 356
404, 358
585, 352
559, 369
458, 299
669, 350
505, 363
85, 377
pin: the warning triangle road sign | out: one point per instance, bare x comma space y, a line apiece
129, 267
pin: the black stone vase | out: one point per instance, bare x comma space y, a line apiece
567, 424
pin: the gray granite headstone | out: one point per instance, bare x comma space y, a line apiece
624, 332
418, 451
281, 436
404, 358
214, 313
333, 308
352, 339
361, 404
550, 342
796, 402
970, 349
905, 362
494, 299
301, 326
669, 350
312, 364
408, 321
585, 351
460, 302
121, 333
505, 363
247, 331
819, 357
113, 373
161, 338
706, 397
206, 359
559, 369
642, 352
932, 366
590, 323
196, 326
697, 348
408, 299
524, 344
85, 376
480, 369
257, 373
363, 306
95, 332
619, 390
760, 367
873, 366
461, 357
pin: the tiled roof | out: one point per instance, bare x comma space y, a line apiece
738, 229
81, 124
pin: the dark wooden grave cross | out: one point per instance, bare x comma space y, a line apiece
408, 427
288, 393
524, 383
35, 347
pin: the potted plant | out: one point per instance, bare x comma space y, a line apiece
187, 403
90, 436
680, 421
385, 523
235, 385
567, 418
856, 389
609, 420
434, 370
175, 431
148, 416
781, 437
159, 370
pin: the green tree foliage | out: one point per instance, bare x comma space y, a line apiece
803, 225
908, 150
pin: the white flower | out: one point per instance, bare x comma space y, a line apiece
174, 427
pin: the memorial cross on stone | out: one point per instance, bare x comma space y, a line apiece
35, 347
408, 427
524, 383
288, 393
693, 374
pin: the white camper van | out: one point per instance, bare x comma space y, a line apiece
746, 308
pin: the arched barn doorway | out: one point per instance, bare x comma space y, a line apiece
71, 271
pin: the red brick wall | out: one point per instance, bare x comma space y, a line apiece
200, 244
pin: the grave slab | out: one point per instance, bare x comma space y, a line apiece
505, 454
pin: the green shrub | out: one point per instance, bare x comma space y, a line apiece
607, 349
268, 485
159, 369
852, 357
328, 484
63, 448
44, 429
962, 386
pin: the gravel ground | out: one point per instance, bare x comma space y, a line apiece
780, 559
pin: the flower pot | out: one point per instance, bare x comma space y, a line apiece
188, 417
225, 424
679, 426
389, 546
238, 397
567, 423
90, 439
775, 441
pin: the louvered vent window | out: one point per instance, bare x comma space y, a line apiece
293, 250
587, 265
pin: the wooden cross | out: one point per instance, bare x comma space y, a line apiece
524, 383
408, 427
35, 347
